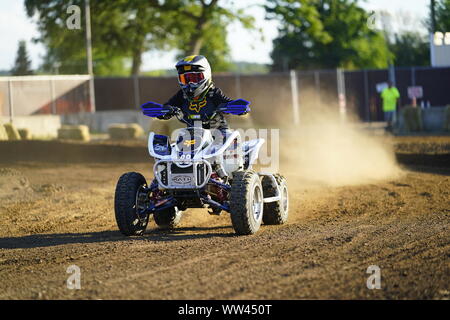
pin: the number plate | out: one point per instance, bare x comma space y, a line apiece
182, 180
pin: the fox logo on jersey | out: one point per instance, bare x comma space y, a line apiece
197, 105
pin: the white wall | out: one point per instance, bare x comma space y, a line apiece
41, 126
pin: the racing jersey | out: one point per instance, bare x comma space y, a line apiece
204, 110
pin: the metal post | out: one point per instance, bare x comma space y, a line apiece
413, 76
341, 93
11, 101
137, 91
89, 56
366, 95
53, 96
432, 50
294, 93
433, 15
433, 30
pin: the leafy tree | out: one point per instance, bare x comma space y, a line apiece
147, 25
22, 66
202, 29
122, 30
442, 16
66, 49
214, 46
325, 34
410, 49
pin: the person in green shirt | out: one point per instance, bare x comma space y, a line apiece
390, 96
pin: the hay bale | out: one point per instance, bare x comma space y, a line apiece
80, 133
3, 134
25, 134
11, 131
120, 131
413, 119
165, 127
447, 119
160, 127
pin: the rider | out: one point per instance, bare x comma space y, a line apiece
198, 98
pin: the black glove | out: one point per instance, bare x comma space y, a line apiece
171, 112
167, 116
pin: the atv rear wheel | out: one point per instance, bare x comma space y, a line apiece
275, 212
246, 202
126, 204
168, 218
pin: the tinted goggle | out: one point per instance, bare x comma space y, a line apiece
191, 77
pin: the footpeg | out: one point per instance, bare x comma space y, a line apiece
215, 211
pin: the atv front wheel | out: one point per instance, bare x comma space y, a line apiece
275, 212
246, 202
126, 204
168, 218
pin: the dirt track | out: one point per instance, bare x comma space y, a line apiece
53, 215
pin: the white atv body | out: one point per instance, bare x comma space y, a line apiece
225, 158
202, 168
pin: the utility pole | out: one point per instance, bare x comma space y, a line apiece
433, 16
432, 31
340, 81
89, 56
294, 94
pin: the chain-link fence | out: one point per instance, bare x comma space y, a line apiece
275, 96
32, 95
361, 88
272, 94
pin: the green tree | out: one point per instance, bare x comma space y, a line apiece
202, 29
147, 25
442, 16
22, 66
66, 49
123, 30
214, 46
325, 34
410, 49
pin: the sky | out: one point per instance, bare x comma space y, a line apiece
249, 46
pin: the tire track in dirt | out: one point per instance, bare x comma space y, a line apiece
333, 235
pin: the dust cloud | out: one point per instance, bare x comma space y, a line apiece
329, 149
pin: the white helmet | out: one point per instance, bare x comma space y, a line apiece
194, 76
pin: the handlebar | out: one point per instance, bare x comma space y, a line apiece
236, 107
176, 112
156, 110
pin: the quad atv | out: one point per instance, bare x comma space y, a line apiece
202, 169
